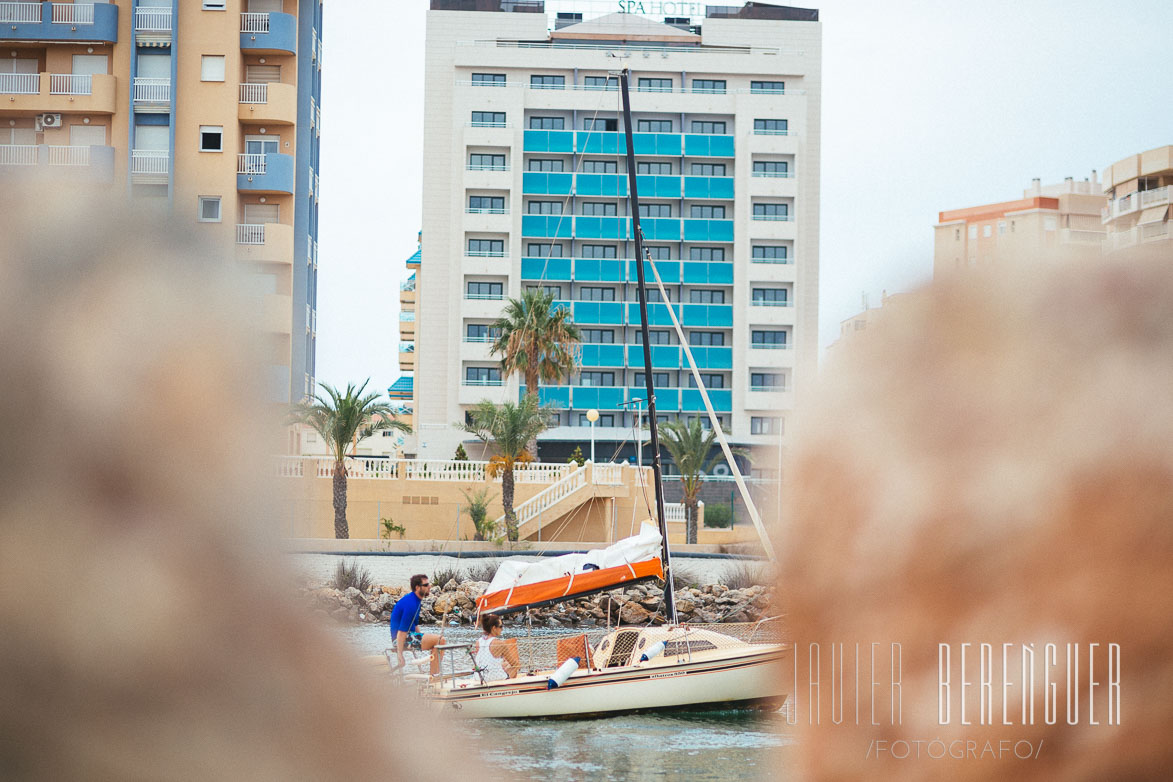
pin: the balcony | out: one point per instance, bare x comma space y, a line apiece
151, 96
69, 163
268, 173
268, 33
277, 313
150, 166
58, 93
56, 22
152, 26
264, 243
271, 103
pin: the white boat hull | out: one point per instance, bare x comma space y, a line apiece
726, 681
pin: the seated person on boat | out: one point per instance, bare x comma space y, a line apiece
496, 658
405, 617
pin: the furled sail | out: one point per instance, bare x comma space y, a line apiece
519, 585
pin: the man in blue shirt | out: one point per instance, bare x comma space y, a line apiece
405, 618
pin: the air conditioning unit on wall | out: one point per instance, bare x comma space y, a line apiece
48, 121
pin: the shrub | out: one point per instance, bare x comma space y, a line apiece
352, 575
576, 456
483, 571
390, 528
718, 515
460, 456
746, 574
478, 510
683, 577
444, 575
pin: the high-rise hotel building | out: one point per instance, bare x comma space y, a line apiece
525, 185
208, 108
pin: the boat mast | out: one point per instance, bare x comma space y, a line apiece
657, 475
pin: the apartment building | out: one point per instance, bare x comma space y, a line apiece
401, 390
526, 186
1140, 192
206, 108
1047, 221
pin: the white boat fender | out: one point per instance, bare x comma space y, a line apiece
559, 677
655, 650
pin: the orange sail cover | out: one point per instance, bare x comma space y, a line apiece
518, 598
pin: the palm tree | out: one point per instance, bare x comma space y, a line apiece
508, 429
536, 339
344, 419
689, 445
478, 510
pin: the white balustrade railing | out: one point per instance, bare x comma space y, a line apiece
607, 474
248, 163
20, 83
151, 90
73, 13
449, 470
547, 498
535, 472
71, 84
444, 470
20, 13
69, 156
254, 93
675, 511
152, 20
250, 233
254, 23
149, 161
18, 154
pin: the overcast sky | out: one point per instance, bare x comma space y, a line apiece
927, 105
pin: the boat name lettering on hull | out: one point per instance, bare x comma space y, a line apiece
666, 675
498, 694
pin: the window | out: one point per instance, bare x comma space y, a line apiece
706, 338
486, 203
655, 85
767, 86
212, 67
659, 253
655, 210
655, 337
547, 82
482, 376
596, 293
253, 74
710, 379
708, 127
655, 295
1001, 227
764, 381
598, 251
542, 164
548, 290
554, 420
596, 123
659, 380
768, 338
209, 209
600, 83
547, 123
599, 209
486, 247
211, 138
480, 332
708, 169
596, 378
706, 212
778, 168
708, 85
706, 296
605, 419
653, 126
767, 127
539, 250
488, 119
770, 211
973, 232
488, 80
598, 336
599, 167
214, 5
483, 162
654, 169
544, 207
765, 425
987, 231
706, 253
769, 297
484, 290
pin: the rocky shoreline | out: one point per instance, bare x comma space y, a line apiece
455, 603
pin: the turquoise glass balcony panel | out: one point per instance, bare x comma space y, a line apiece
548, 141
703, 145
708, 187
598, 269
669, 272
600, 355
655, 144
596, 143
708, 272
600, 397
547, 226
657, 314
562, 304
661, 228
721, 146
553, 269
658, 186
691, 401
667, 399
555, 396
663, 356
708, 230
613, 185
543, 183
598, 312
713, 357
718, 315
588, 227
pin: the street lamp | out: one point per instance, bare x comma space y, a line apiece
592, 416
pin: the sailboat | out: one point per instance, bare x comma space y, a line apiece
629, 669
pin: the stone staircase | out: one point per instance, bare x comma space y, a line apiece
567, 494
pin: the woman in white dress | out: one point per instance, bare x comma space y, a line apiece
495, 657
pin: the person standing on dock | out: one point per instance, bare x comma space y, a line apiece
405, 618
